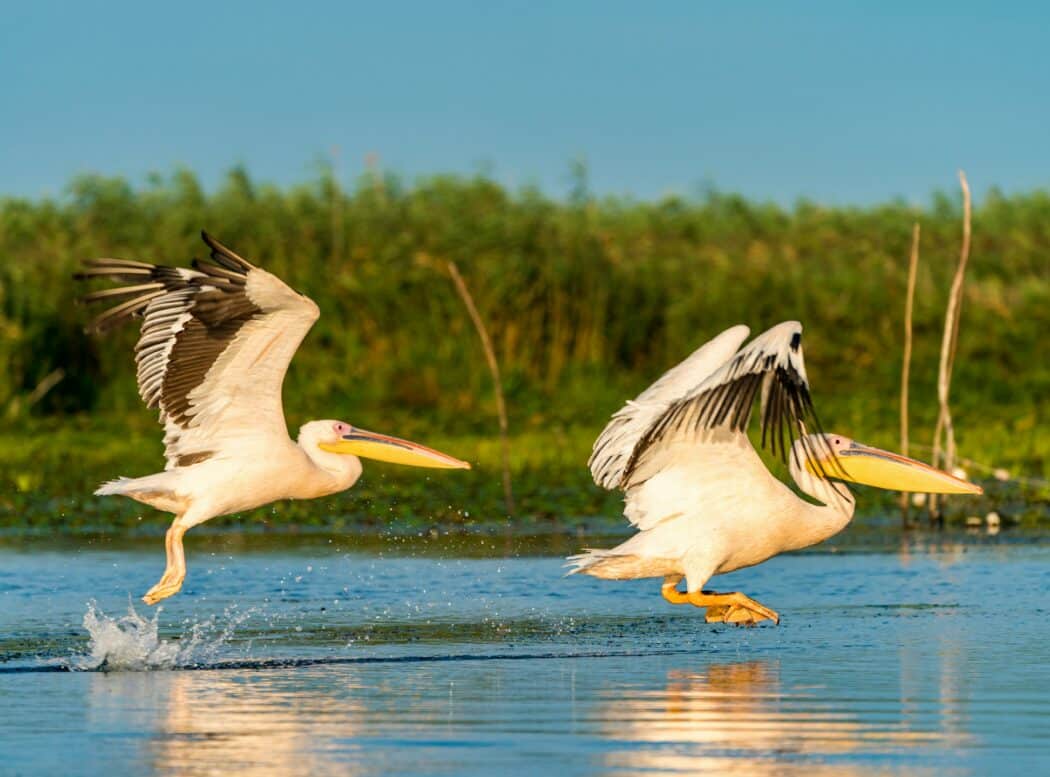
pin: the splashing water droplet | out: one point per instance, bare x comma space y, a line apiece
131, 643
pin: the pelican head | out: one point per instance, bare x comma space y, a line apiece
841, 458
341, 437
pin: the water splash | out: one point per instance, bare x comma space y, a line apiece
132, 643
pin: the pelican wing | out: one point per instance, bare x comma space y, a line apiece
771, 367
620, 439
215, 343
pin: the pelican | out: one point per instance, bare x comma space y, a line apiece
695, 488
215, 343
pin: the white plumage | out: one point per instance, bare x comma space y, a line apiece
617, 442
215, 344
700, 496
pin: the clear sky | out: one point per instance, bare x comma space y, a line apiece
841, 102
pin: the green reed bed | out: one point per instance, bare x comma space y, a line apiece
587, 301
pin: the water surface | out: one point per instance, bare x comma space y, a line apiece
316, 659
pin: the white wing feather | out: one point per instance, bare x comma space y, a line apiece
215, 344
615, 445
670, 446
239, 402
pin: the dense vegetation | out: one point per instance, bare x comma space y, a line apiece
587, 301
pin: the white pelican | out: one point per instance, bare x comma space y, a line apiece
702, 500
216, 342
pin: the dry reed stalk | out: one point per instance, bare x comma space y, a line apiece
490, 357
913, 265
50, 380
949, 342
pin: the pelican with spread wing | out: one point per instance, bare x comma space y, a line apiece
701, 498
215, 344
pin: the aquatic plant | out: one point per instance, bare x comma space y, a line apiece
585, 302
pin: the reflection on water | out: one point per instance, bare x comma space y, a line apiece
902, 663
739, 719
207, 723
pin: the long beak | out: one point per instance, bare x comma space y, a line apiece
381, 447
882, 469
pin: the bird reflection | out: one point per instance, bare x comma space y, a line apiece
212, 723
739, 719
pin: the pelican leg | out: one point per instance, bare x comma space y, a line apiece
175, 571
732, 607
669, 590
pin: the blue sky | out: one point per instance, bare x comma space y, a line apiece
839, 102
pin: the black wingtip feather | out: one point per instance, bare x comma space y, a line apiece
787, 412
225, 257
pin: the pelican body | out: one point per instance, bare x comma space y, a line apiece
703, 501
215, 344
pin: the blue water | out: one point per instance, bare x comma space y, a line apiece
931, 658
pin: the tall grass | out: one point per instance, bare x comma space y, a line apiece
587, 300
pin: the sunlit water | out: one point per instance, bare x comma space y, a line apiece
928, 660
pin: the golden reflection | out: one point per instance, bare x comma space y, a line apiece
216, 723
738, 719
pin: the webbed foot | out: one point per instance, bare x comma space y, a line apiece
732, 607
168, 585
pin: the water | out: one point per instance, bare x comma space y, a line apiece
930, 658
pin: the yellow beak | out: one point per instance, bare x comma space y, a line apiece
381, 447
882, 469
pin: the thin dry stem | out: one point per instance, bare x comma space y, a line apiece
949, 342
490, 357
50, 380
913, 265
